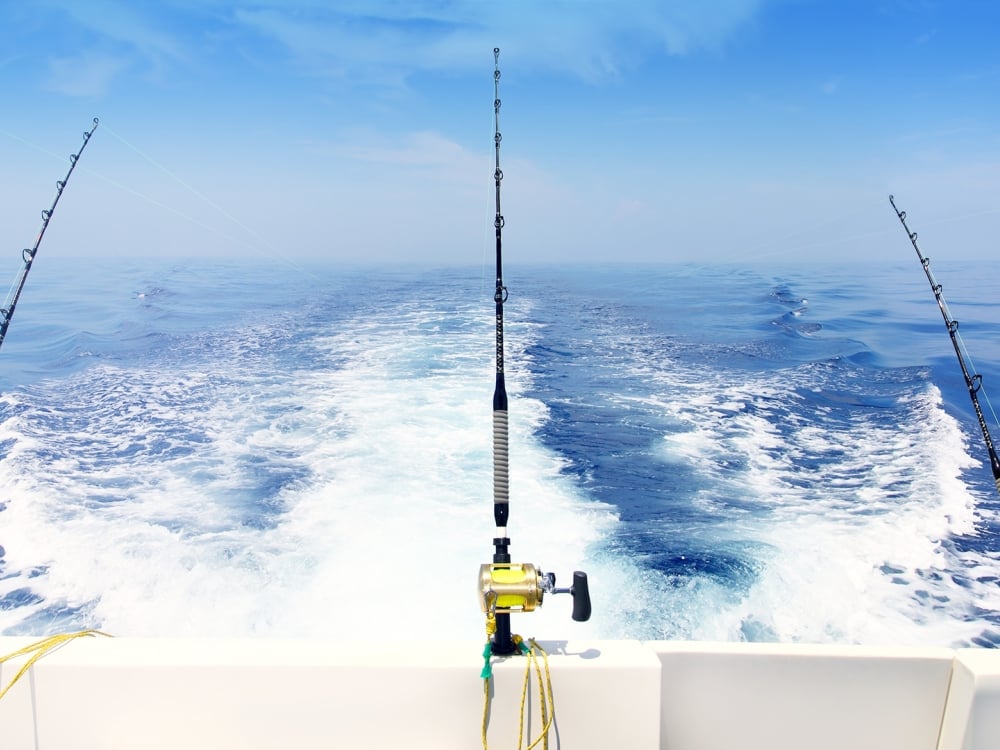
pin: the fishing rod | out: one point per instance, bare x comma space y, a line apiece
28, 254
973, 382
504, 586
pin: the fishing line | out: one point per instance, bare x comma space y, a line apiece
254, 241
493, 125
486, 240
197, 193
30, 144
169, 209
131, 191
982, 387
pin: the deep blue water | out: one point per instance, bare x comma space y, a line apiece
731, 452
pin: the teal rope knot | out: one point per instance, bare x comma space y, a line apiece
487, 672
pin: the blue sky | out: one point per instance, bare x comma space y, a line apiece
680, 130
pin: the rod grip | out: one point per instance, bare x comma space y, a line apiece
581, 596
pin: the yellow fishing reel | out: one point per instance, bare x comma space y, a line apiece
521, 587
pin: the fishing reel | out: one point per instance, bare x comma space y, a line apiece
517, 587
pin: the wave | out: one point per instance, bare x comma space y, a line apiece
307, 454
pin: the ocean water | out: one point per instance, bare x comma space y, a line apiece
765, 453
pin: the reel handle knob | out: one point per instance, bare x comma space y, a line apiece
581, 596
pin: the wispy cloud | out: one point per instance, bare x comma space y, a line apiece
422, 151
102, 39
831, 85
657, 116
419, 149
86, 75
588, 40
387, 42
141, 28
628, 208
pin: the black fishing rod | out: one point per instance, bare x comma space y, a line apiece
973, 382
501, 475
507, 587
28, 254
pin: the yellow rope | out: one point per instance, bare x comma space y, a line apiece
549, 709
524, 689
40, 649
546, 699
486, 710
